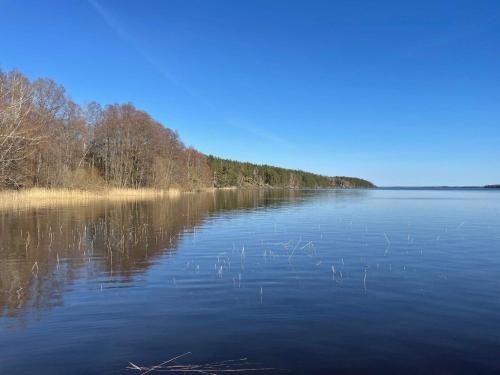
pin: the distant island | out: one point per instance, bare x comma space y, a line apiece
49, 141
492, 186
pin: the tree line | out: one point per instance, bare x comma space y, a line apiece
48, 140
228, 173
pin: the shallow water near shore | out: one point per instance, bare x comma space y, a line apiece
329, 281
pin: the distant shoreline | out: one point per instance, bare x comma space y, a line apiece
439, 187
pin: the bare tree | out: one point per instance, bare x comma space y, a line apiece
48, 140
19, 136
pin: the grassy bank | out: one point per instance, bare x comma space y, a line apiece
35, 198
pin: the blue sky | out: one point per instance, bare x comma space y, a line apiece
398, 92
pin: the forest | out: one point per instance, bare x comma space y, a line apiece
229, 173
48, 140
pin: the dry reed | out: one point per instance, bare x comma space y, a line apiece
229, 366
38, 198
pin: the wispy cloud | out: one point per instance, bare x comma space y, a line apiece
261, 133
129, 39
119, 29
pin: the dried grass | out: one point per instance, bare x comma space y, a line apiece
37, 198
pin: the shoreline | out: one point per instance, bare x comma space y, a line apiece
32, 198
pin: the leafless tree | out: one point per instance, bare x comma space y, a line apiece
19, 136
48, 140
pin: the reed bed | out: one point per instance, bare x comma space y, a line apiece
38, 197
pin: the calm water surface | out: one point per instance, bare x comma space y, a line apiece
314, 282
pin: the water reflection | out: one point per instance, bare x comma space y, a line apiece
352, 282
44, 250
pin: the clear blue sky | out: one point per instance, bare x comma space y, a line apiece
399, 92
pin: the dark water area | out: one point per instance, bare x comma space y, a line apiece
303, 282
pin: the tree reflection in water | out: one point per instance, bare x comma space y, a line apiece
43, 250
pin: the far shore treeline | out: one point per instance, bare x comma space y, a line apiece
234, 173
47, 140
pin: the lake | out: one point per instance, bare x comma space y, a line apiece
299, 282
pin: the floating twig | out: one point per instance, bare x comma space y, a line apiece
228, 366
